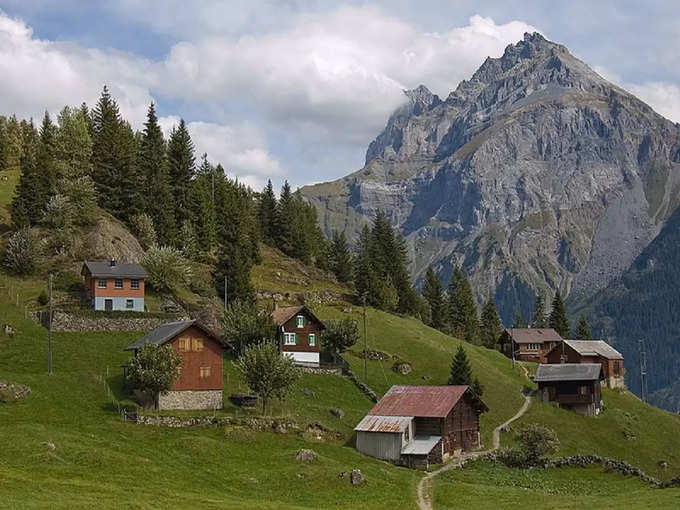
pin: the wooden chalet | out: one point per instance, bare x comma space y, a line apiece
419, 425
591, 351
112, 286
528, 344
199, 385
574, 386
298, 333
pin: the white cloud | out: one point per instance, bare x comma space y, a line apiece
663, 97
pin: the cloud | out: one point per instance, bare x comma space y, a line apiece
663, 97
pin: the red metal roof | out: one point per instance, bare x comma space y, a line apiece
425, 401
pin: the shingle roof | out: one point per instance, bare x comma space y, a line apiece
283, 314
568, 372
534, 335
424, 401
594, 348
98, 268
394, 424
167, 332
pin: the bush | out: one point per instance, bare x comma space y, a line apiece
166, 267
512, 457
535, 443
43, 298
22, 252
339, 336
68, 281
59, 212
153, 369
142, 227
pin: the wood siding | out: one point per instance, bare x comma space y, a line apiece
611, 375
193, 361
311, 327
459, 429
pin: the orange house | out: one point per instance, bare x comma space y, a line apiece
111, 286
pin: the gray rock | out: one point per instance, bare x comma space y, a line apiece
356, 477
305, 455
338, 413
307, 392
404, 368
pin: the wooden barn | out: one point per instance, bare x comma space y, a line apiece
591, 351
528, 344
419, 425
298, 333
199, 385
574, 386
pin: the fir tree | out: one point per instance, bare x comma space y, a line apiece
73, 144
518, 321
491, 326
461, 371
106, 155
340, 257
267, 214
463, 308
25, 207
15, 141
433, 292
583, 331
181, 169
203, 208
129, 200
558, 316
477, 388
46, 162
364, 276
285, 217
538, 320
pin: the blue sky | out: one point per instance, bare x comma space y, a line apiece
296, 90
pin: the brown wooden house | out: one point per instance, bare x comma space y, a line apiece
419, 425
111, 286
591, 351
574, 386
298, 333
199, 385
528, 344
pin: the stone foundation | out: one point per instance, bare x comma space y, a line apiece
191, 399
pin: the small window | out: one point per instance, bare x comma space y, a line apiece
197, 344
289, 338
101, 284
134, 284
300, 321
184, 344
205, 372
129, 303
312, 339
118, 283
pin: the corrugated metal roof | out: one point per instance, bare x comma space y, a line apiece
534, 335
394, 424
568, 372
425, 401
421, 445
98, 268
594, 348
167, 332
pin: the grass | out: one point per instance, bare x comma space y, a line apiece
6, 193
483, 485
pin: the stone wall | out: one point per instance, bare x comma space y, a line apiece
321, 371
278, 425
71, 322
190, 399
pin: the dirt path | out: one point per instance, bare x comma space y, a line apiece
425, 484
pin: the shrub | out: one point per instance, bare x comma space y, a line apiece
536, 441
153, 369
142, 227
22, 252
68, 281
43, 298
244, 325
166, 267
339, 336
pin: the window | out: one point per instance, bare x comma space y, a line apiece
300, 321
101, 284
197, 344
617, 368
184, 344
129, 303
311, 339
290, 339
118, 283
134, 284
205, 372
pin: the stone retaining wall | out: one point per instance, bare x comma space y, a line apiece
321, 371
363, 387
190, 399
74, 323
278, 425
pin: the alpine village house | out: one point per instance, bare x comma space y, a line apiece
199, 385
419, 425
574, 386
591, 351
114, 287
298, 333
528, 344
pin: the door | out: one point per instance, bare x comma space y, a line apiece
108, 305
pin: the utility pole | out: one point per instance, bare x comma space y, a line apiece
49, 331
643, 370
363, 299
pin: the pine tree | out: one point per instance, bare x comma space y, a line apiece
491, 325
129, 200
267, 214
538, 320
73, 144
518, 321
463, 313
433, 292
461, 371
583, 331
46, 162
15, 141
157, 190
558, 316
340, 257
285, 217
477, 388
181, 169
106, 122
364, 276
25, 207
202, 207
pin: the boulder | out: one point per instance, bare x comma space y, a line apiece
338, 413
356, 477
403, 368
305, 455
8, 330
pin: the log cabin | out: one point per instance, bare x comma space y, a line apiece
528, 344
574, 386
199, 385
419, 425
298, 333
111, 286
591, 351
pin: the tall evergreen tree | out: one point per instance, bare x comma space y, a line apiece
583, 331
202, 205
73, 144
130, 199
26, 209
340, 257
364, 276
46, 161
491, 325
157, 190
463, 312
518, 321
285, 219
558, 316
433, 292
18, 135
181, 169
538, 320
461, 371
106, 156
267, 214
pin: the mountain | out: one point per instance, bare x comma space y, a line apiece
534, 175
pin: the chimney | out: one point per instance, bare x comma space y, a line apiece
112, 262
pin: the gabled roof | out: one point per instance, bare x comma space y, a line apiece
568, 372
281, 315
594, 348
533, 335
102, 269
394, 424
166, 332
423, 401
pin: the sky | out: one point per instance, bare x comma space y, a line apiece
296, 90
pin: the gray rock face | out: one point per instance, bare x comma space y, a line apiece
533, 175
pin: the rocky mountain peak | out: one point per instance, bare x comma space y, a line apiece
421, 99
